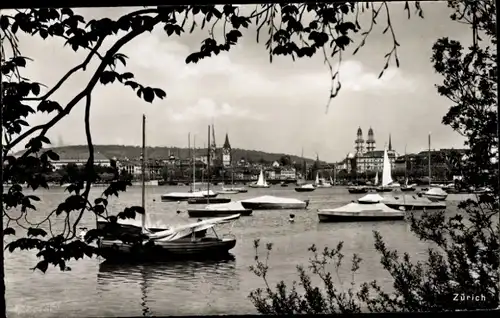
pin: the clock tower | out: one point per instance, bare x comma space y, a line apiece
226, 153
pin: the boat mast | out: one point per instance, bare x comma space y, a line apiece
194, 162
143, 171
208, 166
232, 177
335, 175
429, 159
190, 155
406, 168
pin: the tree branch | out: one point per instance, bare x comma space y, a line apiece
93, 81
89, 168
83, 65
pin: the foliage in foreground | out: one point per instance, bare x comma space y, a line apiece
461, 270
294, 30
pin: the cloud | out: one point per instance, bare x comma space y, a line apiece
207, 108
355, 77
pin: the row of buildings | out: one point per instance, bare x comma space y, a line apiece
364, 162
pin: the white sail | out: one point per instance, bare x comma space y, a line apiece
317, 179
331, 181
376, 179
386, 172
261, 181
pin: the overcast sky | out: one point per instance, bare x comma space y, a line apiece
278, 107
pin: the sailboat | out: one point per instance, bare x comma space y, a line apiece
184, 241
302, 185
192, 193
376, 180
233, 189
386, 175
261, 182
207, 199
320, 183
368, 208
434, 193
406, 187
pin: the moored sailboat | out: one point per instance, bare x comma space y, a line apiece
185, 241
219, 210
412, 202
406, 187
386, 175
193, 193
233, 189
368, 208
434, 193
268, 202
320, 183
261, 182
305, 188
207, 199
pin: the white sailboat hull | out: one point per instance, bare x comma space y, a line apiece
353, 212
184, 196
254, 185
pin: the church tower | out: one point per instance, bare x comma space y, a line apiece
359, 143
226, 152
370, 143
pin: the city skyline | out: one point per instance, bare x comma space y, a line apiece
250, 99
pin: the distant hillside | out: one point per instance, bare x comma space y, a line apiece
134, 152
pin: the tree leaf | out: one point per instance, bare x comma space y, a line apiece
9, 231
159, 93
42, 266
32, 231
148, 94
35, 89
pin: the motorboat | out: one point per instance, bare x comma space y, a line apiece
179, 242
268, 202
412, 202
367, 208
305, 188
184, 196
357, 189
284, 184
436, 194
261, 182
218, 210
205, 200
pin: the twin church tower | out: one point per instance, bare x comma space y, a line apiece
361, 147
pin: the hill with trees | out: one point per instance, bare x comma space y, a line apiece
134, 152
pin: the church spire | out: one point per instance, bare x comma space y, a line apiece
227, 145
390, 143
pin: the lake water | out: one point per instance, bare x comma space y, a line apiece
190, 288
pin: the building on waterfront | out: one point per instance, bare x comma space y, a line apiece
99, 160
445, 164
366, 159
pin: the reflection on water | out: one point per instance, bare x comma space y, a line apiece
163, 288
